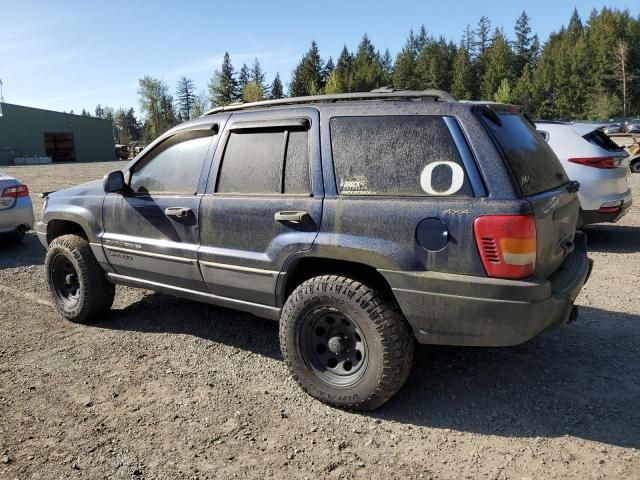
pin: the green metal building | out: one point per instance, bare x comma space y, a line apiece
33, 132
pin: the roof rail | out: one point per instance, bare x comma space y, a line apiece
384, 93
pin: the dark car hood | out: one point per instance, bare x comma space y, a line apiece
90, 188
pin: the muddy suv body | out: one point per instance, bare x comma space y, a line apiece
360, 222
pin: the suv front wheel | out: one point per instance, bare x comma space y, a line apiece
343, 344
78, 285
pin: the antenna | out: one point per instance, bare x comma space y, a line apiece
1, 97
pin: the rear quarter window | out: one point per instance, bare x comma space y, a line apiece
603, 141
403, 155
534, 165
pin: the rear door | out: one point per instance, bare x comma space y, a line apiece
542, 181
263, 202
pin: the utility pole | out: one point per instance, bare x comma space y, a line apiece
621, 53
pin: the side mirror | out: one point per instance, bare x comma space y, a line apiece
113, 182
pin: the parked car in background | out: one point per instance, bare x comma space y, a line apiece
612, 128
135, 148
122, 151
632, 126
16, 210
634, 156
599, 164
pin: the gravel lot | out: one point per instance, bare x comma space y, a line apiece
168, 388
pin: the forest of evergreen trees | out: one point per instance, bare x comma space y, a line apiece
589, 69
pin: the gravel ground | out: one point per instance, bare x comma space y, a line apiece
167, 388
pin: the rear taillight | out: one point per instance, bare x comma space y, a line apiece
507, 244
16, 191
596, 162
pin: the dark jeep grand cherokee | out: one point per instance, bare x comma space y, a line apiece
360, 221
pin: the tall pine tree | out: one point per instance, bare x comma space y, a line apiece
387, 68
308, 76
462, 84
258, 76
525, 45
244, 76
185, 97
367, 68
498, 66
341, 81
276, 90
223, 86
404, 68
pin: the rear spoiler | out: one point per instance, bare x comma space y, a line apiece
46, 194
491, 110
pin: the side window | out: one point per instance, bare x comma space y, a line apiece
253, 162
174, 166
406, 155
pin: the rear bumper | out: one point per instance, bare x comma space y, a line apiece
450, 309
20, 215
593, 193
595, 216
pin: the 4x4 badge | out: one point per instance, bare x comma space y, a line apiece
451, 211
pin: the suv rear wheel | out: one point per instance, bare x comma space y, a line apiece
79, 288
343, 344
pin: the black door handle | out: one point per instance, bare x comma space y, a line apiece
178, 212
291, 216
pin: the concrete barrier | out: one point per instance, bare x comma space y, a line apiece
31, 160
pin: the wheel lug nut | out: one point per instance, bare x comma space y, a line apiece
336, 345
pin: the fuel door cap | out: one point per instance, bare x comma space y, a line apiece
432, 234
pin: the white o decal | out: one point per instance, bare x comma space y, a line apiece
457, 178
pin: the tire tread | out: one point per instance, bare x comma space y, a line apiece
397, 338
98, 293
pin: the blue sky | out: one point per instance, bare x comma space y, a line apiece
77, 54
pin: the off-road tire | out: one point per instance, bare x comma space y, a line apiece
388, 336
95, 293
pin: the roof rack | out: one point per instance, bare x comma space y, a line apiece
384, 93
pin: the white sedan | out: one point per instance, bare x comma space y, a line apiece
16, 210
597, 163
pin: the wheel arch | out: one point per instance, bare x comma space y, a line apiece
58, 227
304, 268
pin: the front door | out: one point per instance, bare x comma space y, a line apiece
264, 204
151, 232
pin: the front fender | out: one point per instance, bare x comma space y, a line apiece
85, 217
85, 212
